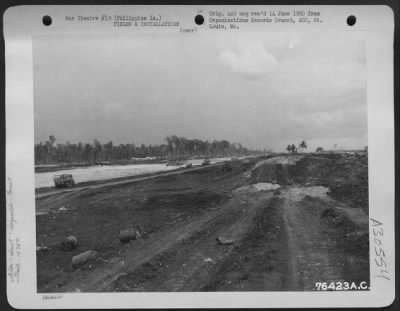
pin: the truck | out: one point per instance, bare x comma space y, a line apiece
63, 181
175, 163
206, 162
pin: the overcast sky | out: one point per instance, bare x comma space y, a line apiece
265, 90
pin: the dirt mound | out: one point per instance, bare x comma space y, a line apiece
271, 173
284, 160
358, 240
330, 166
355, 193
312, 201
345, 174
353, 238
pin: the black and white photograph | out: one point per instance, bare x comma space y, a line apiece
206, 156
220, 163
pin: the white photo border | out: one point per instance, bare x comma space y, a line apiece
22, 23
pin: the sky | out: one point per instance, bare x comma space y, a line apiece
264, 90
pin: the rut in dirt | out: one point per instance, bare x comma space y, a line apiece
303, 237
319, 248
312, 229
191, 263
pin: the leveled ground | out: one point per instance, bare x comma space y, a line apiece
312, 229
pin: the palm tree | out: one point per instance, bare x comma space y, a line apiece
303, 145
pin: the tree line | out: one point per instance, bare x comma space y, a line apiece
294, 149
50, 152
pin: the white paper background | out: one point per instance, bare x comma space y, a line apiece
21, 23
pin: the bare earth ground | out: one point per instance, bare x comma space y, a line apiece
313, 229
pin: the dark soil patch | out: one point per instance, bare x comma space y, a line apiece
350, 236
271, 173
346, 175
356, 193
97, 216
259, 261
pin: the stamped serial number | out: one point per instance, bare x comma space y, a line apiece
322, 286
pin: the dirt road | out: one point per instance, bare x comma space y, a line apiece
116, 182
313, 240
285, 239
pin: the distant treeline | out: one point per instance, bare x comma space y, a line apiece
49, 152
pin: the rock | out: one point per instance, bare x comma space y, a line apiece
62, 208
129, 234
70, 243
222, 241
42, 248
83, 258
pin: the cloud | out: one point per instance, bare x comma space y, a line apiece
251, 60
112, 108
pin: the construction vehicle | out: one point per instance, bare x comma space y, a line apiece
227, 167
175, 163
206, 162
64, 180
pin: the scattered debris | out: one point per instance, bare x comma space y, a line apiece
247, 174
102, 259
130, 234
83, 258
42, 248
222, 241
70, 243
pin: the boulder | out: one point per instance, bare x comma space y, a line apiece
83, 258
129, 234
69, 243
